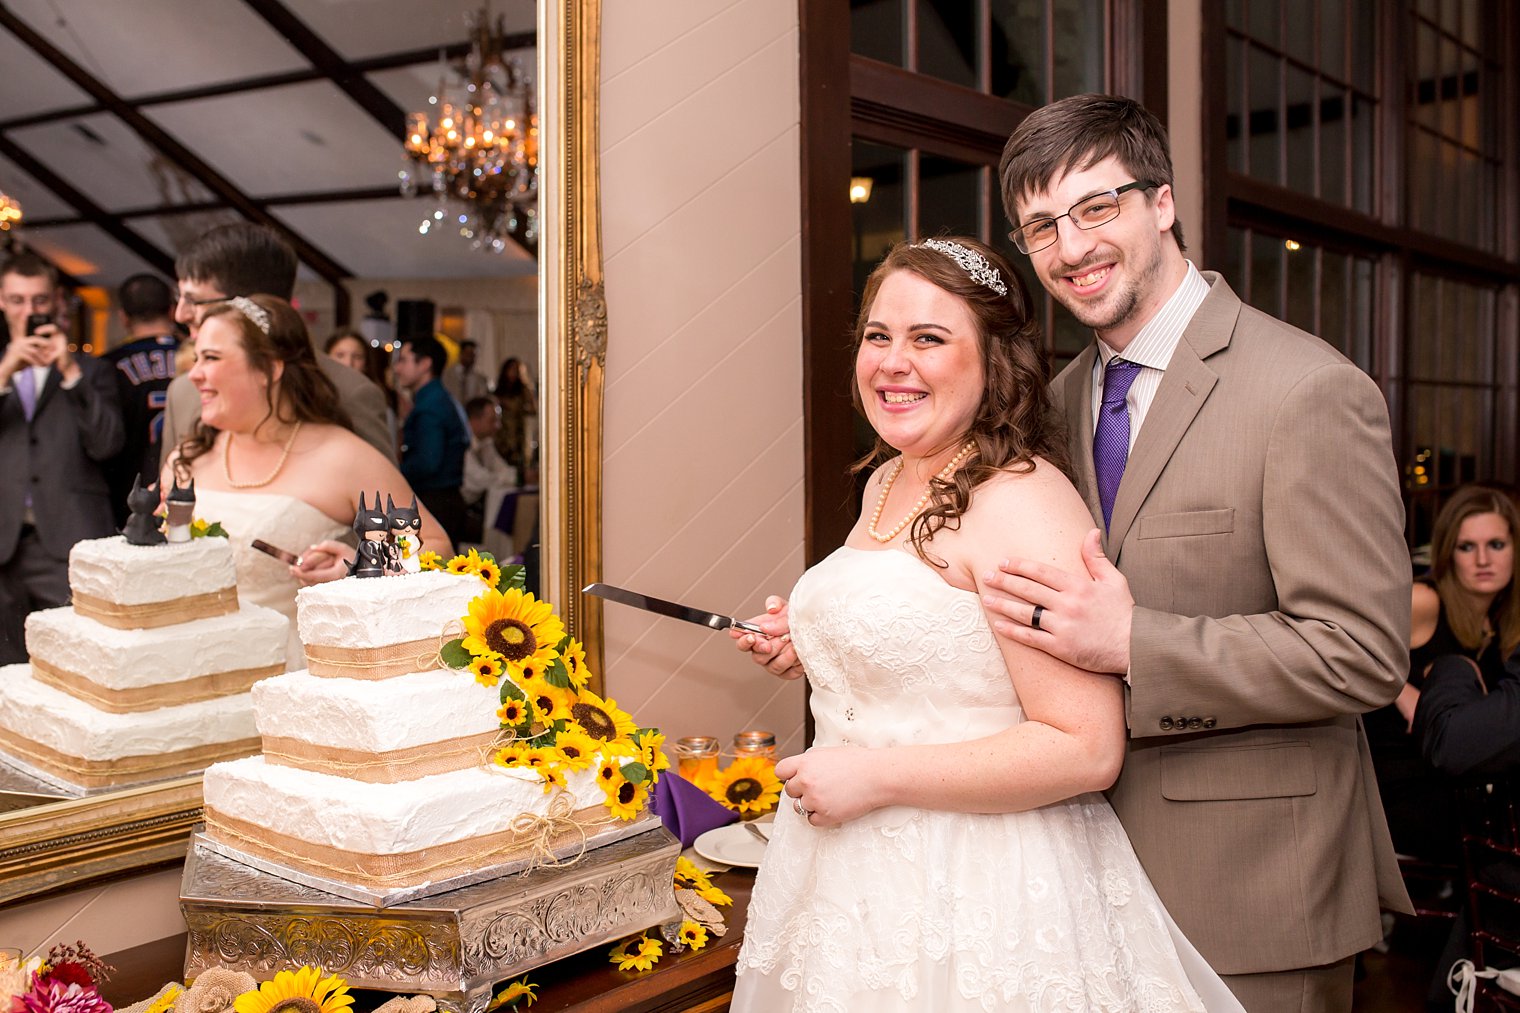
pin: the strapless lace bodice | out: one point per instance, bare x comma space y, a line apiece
915, 909
284, 522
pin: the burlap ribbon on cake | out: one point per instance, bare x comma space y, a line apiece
390, 767
373, 663
88, 773
153, 614
147, 698
532, 836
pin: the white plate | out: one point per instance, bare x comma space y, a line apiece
731, 845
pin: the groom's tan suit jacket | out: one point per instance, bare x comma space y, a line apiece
1260, 527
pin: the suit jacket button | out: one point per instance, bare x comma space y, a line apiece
1195, 723
1166, 724
1208, 722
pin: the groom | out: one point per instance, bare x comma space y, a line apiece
1248, 576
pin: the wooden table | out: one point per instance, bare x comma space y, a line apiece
690, 982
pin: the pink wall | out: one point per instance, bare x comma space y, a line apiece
703, 466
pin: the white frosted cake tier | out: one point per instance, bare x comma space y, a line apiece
383, 819
400, 713
61, 723
250, 639
113, 570
360, 612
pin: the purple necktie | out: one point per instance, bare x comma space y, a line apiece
1111, 437
26, 389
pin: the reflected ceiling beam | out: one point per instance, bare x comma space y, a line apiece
89, 211
390, 61
177, 153
283, 200
332, 65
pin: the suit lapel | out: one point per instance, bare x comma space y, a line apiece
1075, 390
1184, 388
49, 388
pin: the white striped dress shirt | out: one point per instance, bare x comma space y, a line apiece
1151, 349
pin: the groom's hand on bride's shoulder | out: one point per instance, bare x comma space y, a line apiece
772, 651
1083, 618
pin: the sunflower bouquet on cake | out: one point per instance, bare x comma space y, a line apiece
553, 723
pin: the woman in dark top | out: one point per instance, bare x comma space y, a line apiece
1465, 606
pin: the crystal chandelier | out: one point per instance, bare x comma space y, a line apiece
10, 212
478, 155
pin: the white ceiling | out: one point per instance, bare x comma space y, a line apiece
278, 144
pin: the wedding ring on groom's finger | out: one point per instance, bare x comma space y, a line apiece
1034, 618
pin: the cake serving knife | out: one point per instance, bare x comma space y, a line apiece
660, 606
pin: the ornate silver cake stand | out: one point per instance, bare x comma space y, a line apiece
454, 946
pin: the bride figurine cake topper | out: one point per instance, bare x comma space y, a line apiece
406, 536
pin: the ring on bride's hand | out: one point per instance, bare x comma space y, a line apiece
1034, 619
797, 805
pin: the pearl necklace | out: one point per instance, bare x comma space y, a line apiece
227, 462
923, 501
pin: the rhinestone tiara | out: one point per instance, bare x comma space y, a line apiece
253, 311
977, 266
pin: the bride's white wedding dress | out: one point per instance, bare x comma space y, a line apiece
284, 522
915, 909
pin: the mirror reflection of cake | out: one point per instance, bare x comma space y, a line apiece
146, 675
375, 771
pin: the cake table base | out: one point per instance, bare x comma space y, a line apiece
453, 946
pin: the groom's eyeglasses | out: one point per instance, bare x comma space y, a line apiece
1087, 213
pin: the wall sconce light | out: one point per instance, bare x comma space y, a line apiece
1292, 245
860, 189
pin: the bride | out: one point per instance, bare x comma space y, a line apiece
943, 845
274, 458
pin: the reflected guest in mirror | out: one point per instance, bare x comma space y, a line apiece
243, 259
59, 421
514, 392
462, 379
145, 364
433, 437
354, 350
273, 457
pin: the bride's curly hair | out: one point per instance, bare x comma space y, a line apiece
305, 392
1015, 421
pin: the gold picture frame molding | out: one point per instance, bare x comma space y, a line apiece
64, 845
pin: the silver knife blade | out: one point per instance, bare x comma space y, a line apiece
660, 606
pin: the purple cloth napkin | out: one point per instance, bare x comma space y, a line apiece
686, 810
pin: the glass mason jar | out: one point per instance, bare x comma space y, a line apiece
697, 757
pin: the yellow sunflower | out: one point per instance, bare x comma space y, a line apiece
693, 935
460, 565
602, 719
638, 953
509, 756
516, 992
165, 1001
574, 657
487, 669
550, 703
489, 571
651, 755
303, 991
689, 877
626, 800
513, 624
578, 749
609, 775
512, 713
714, 896
430, 560
748, 785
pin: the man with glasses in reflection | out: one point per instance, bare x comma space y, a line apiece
59, 421
248, 259
1247, 576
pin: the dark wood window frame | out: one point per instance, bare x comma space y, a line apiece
845, 96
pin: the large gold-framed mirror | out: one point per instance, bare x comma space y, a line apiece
61, 845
